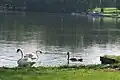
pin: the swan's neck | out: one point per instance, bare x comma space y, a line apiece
21, 55
68, 57
37, 54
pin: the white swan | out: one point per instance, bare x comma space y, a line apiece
33, 56
24, 60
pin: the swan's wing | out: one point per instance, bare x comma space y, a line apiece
26, 62
29, 55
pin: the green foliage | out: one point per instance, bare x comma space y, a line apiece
108, 12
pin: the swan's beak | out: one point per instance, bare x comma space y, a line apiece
18, 50
40, 51
67, 53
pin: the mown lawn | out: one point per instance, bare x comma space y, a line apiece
42, 73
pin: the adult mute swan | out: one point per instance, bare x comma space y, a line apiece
25, 60
33, 56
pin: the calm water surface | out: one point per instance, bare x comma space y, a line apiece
55, 34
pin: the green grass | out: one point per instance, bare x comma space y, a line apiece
59, 73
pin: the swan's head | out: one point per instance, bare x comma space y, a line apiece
39, 51
18, 50
68, 53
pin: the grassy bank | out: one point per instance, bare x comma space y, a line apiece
59, 73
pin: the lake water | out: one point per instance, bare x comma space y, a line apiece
56, 34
